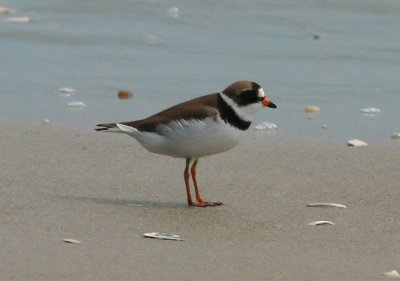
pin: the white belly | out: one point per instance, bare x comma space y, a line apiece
191, 139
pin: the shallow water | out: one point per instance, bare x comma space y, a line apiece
339, 55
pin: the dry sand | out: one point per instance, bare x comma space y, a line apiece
106, 191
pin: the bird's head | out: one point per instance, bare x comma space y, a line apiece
246, 98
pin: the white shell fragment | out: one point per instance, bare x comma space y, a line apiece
72, 241
173, 12
314, 223
266, 126
6, 10
370, 111
65, 92
325, 204
163, 236
356, 142
17, 19
392, 274
77, 104
395, 136
312, 109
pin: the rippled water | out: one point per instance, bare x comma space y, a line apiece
339, 55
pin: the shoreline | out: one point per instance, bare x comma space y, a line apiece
105, 190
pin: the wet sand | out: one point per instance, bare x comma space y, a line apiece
106, 191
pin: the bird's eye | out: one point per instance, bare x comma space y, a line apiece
247, 93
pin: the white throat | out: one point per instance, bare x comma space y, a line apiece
245, 112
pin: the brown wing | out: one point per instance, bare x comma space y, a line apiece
199, 108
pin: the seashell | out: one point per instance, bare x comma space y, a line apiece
370, 110
325, 204
76, 104
266, 126
65, 92
312, 109
314, 223
356, 142
17, 19
173, 12
163, 236
72, 241
392, 274
395, 136
124, 94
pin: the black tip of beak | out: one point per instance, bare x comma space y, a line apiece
272, 105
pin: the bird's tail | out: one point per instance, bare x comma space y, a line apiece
116, 128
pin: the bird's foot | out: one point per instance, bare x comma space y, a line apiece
204, 204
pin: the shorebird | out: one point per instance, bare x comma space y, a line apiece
203, 126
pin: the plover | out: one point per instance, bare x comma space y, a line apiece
197, 128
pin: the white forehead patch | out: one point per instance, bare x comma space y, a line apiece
261, 93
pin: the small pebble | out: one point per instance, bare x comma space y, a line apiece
356, 142
152, 40
324, 127
17, 19
124, 94
6, 10
312, 109
315, 36
45, 121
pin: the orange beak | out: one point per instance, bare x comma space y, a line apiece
268, 103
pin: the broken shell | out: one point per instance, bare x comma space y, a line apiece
66, 92
370, 110
312, 109
356, 142
392, 274
163, 236
266, 126
321, 223
173, 12
324, 204
72, 241
76, 104
395, 136
124, 94
17, 20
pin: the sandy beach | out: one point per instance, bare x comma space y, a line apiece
105, 190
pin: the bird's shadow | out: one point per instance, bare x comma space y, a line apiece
132, 203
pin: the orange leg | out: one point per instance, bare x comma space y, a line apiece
186, 175
199, 201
